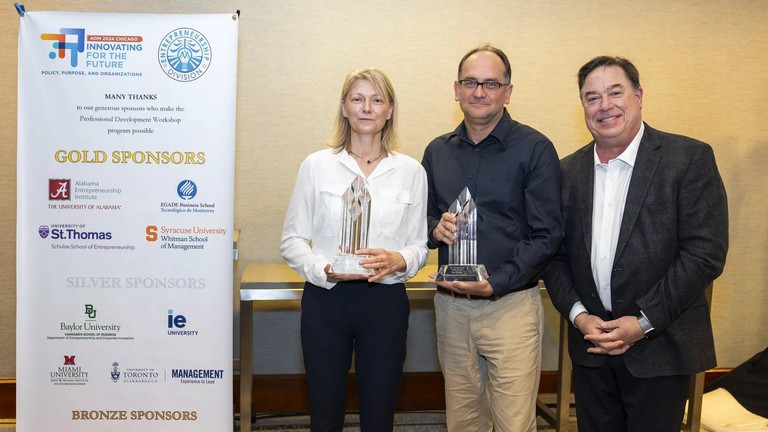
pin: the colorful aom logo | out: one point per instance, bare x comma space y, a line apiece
61, 45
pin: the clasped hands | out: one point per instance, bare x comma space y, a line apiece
381, 261
613, 337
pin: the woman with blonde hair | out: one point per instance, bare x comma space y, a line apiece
367, 314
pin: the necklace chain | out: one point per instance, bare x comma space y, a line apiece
372, 160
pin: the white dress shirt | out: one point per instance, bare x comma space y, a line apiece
398, 188
610, 194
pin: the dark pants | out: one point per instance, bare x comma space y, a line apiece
372, 321
610, 399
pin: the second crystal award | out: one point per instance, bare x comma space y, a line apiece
355, 222
462, 254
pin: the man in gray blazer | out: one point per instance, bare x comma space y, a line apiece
646, 230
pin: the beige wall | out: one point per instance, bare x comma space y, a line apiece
702, 65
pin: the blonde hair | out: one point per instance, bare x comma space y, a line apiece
341, 139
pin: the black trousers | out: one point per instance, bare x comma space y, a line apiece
610, 399
372, 321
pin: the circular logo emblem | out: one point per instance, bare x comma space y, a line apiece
187, 189
184, 54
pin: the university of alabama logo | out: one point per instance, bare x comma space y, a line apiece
59, 189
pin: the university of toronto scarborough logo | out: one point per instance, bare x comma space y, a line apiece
184, 54
115, 374
70, 40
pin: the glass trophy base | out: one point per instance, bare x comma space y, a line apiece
348, 264
462, 272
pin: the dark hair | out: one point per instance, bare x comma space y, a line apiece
630, 71
493, 49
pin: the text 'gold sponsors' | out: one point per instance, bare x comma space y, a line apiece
145, 157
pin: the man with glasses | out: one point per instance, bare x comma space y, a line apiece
489, 332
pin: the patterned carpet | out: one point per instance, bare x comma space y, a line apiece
425, 421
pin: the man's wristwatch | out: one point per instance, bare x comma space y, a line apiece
645, 325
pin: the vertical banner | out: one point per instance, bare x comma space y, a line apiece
126, 134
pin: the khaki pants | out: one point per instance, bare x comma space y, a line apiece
490, 355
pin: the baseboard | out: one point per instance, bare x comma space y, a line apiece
287, 393
7, 400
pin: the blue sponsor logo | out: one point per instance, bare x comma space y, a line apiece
187, 189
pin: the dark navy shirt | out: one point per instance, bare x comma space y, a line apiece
514, 178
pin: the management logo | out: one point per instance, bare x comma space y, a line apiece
184, 54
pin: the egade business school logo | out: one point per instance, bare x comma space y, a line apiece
105, 55
187, 191
184, 54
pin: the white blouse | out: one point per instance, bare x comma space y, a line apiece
398, 189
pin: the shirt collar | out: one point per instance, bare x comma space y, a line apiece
392, 161
629, 155
500, 132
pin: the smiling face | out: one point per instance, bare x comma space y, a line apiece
482, 107
612, 107
366, 110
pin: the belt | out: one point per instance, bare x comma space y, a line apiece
494, 297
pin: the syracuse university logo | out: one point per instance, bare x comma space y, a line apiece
184, 54
70, 40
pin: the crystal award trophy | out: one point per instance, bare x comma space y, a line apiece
462, 254
355, 219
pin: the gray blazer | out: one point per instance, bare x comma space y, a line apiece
672, 243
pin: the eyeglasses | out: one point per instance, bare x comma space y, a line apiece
471, 84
